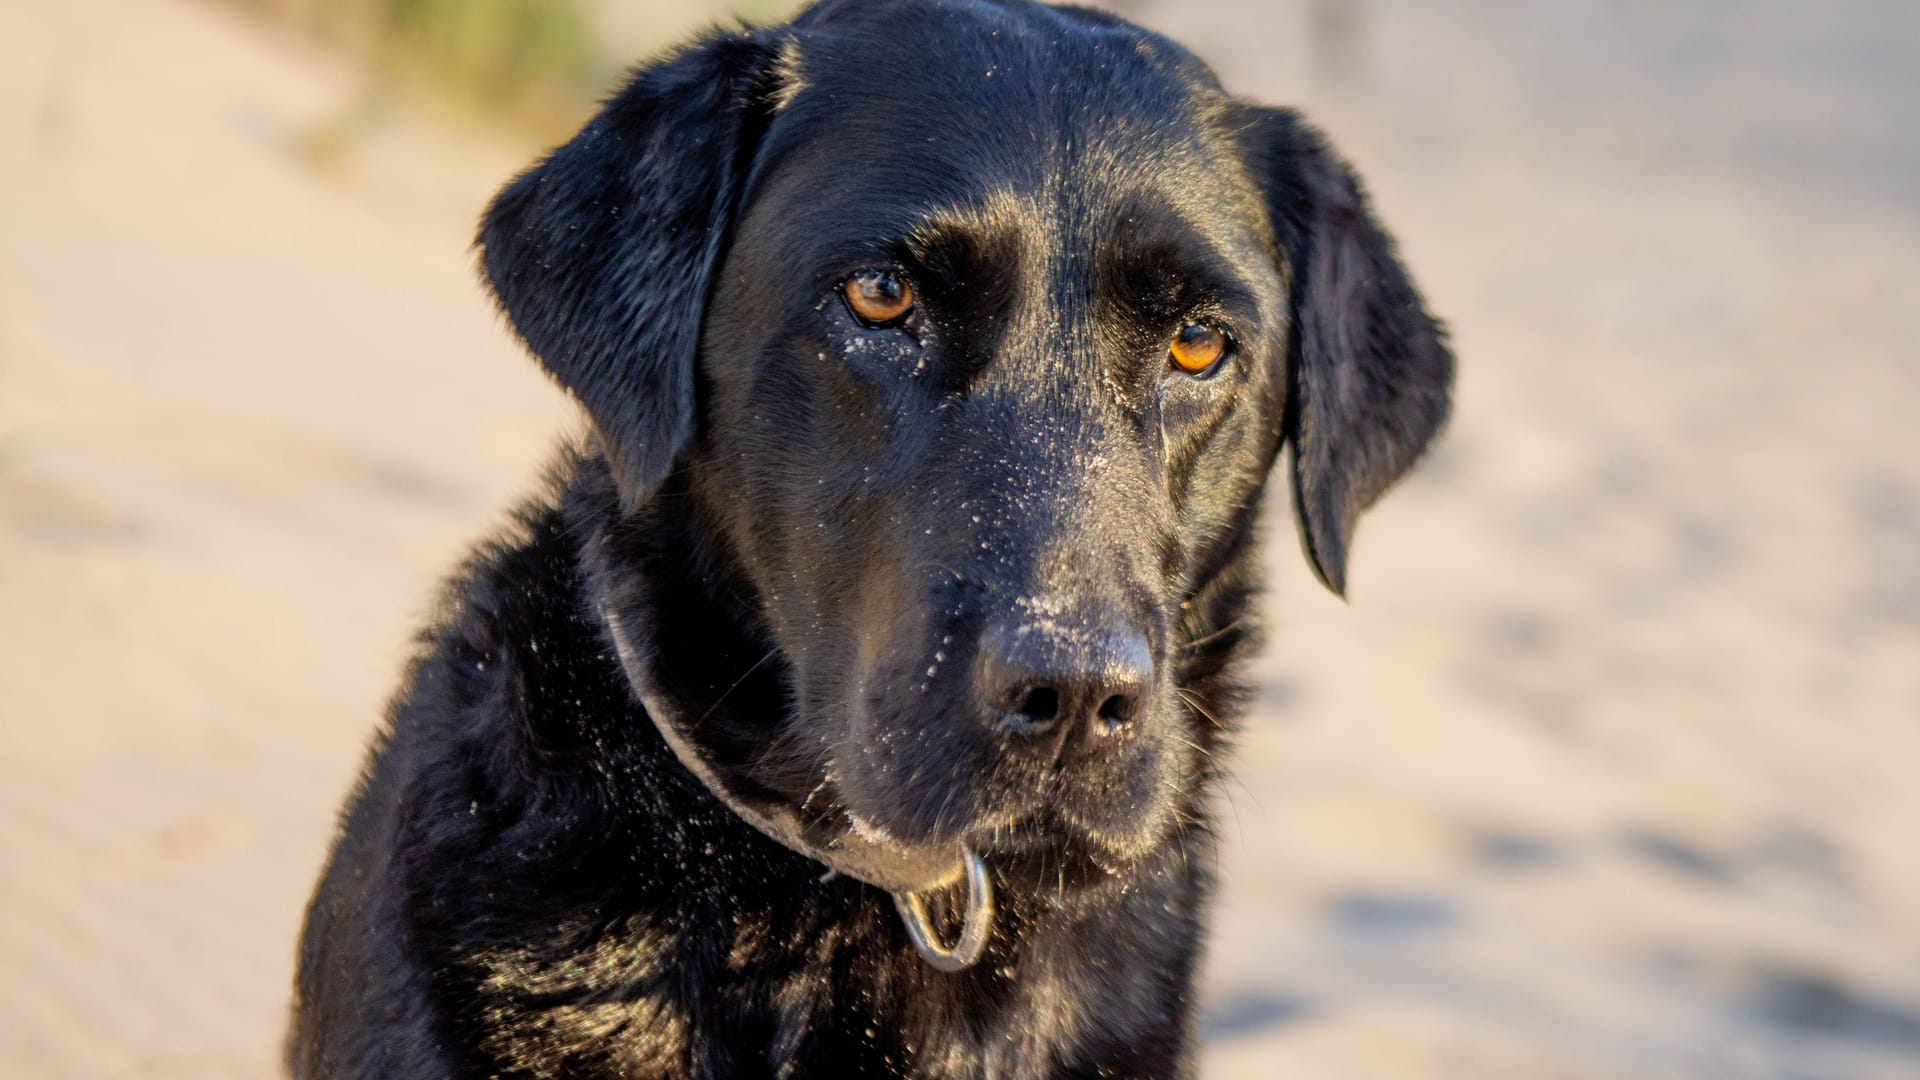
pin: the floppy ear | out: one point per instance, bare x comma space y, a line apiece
601, 255
1369, 368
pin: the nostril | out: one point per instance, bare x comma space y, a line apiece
1118, 711
1037, 711
1041, 703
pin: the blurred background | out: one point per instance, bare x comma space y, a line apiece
1607, 771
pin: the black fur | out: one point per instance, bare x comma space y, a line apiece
827, 537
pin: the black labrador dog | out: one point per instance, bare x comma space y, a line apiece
851, 705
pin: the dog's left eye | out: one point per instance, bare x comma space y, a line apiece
878, 298
1198, 348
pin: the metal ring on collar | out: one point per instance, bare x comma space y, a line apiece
974, 930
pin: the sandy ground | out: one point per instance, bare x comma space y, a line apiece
1608, 770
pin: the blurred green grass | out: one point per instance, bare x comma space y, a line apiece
532, 65
496, 50
533, 68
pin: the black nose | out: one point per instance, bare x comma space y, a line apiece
1067, 679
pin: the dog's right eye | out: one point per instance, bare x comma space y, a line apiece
878, 298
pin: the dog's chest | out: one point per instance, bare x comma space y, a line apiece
602, 1006
622, 1005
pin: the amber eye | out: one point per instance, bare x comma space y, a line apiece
878, 297
1197, 348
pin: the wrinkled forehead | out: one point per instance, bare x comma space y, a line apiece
896, 116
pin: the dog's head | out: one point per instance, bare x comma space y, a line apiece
972, 330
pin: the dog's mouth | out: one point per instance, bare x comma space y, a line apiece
1045, 849
1055, 830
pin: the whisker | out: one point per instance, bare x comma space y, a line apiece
1233, 807
729, 690
1195, 747
1193, 700
1204, 639
946, 804
950, 571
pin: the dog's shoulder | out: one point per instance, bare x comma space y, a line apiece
489, 771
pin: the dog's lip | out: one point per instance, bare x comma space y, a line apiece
868, 852
1046, 832
1040, 836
